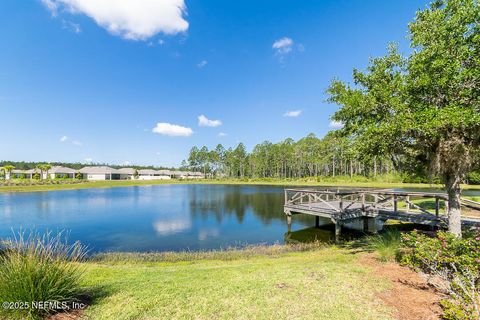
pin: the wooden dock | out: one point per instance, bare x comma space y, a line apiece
370, 206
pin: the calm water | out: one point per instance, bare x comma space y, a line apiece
154, 218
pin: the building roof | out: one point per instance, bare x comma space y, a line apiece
59, 169
126, 171
32, 171
165, 172
98, 170
180, 173
146, 171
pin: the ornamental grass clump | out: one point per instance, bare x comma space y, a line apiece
39, 275
386, 244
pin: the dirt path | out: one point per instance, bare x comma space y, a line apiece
410, 295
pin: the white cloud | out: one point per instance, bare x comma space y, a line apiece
335, 124
173, 130
205, 122
202, 64
69, 25
130, 19
222, 134
294, 113
63, 139
283, 45
77, 143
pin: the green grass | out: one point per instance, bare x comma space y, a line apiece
273, 283
340, 182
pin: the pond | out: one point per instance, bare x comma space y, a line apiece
154, 218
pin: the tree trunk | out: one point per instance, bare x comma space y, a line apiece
452, 184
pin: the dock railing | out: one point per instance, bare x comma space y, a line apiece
394, 202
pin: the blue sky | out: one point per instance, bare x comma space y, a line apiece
91, 79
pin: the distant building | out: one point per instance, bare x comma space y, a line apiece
61, 172
195, 175
127, 173
106, 173
100, 173
180, 174
150, 174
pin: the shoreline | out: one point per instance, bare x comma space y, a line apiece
259, 182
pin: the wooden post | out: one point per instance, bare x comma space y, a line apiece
363, 201
289, 222
338, 231
408, 203
446, 208
341, 203
395, 203
365, 224
317, 222
437, 206
286, 197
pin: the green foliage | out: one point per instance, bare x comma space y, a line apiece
78, 176
473, 178
423, 110
387, 244
308, 157
38, 268
36, 176
456, 261
448, 251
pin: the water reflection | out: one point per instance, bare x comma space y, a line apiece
165, 217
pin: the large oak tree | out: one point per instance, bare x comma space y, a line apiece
424, 107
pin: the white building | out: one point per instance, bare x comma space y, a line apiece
127, 173
195, 175
100, 173
61, 172
165, 174
180, 174
149, 174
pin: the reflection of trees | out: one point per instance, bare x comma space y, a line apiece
266, 203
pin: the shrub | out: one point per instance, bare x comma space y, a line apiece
456, 262
37, 269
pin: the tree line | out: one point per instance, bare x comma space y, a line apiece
330, 156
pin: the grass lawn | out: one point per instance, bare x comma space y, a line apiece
279, 182
324, 283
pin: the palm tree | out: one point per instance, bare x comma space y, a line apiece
43, 167
47, 168
7, 170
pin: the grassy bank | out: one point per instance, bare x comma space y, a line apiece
273, 283
273, 182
